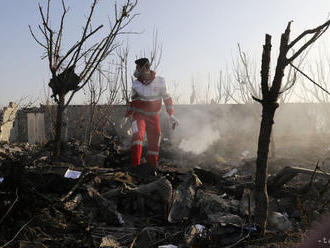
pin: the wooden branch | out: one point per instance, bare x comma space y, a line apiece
45, 20
287, 88
288, 173
317, 32
308, 43
47, 16
85, 30
35, 38
265, 66
309, 31
74, 47
19, 231
280, 65
242, 56
85, 53
59, 35
10, 208
49, 36
256, 99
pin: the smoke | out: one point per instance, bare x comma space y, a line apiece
200, 141
198, 128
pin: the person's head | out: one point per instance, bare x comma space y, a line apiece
142, 65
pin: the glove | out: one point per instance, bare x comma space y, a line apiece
125, 122
174, 121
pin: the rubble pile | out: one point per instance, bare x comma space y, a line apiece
90, 197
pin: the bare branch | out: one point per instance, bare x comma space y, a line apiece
10, 208
59, 35
317, 33
309, 31
85, 30
36, 40
74, 47
265, 65
19, 231
243, 58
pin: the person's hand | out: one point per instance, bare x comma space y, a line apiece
126, 121
174, 121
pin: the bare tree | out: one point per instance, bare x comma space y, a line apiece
96, 89
174, 92
223, 90
72, 69
155, 53
269, 101
318, 71
193, 96
154, 56
246, 79
123, 72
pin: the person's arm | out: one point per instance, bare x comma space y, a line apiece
169, 107
129, 110
167, 100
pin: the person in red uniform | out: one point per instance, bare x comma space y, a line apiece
148, 91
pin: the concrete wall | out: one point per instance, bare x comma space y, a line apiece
8, 129
196, 121
31, 126
36, 128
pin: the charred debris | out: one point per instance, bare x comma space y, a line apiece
90, 197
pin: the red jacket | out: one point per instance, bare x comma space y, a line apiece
147, 97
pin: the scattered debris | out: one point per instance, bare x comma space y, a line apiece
184, 198
279, 221
101, 202
109, 242
168, 246
72, 174
230, 173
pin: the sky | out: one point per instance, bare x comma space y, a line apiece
198, 37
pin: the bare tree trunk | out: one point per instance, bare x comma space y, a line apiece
272, 145
58, 127
269, 103
268, 112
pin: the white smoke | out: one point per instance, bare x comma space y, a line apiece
200, 141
